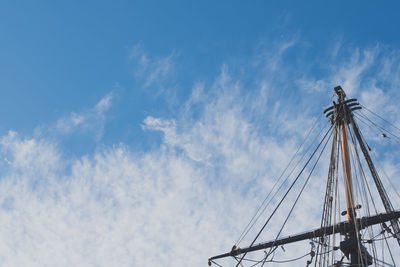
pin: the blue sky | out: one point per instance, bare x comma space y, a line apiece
110, 110
64, 56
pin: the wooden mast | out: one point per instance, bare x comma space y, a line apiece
343, 120
347, 172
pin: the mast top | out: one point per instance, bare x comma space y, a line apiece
340, 93
342, 110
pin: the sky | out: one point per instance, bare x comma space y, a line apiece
146, 133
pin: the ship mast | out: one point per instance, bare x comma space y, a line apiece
342, 120
351, 246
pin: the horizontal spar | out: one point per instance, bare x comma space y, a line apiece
342, 228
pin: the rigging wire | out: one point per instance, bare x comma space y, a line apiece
390, 251
367, 123
219, 265
283, 198
258, 214
378, 126
301, 191
394, 126
361, 113
327, 207
292, 260
280, 261
372, 200
277, 261
337, 198
386, 176
358, 191
363, 194
382, 263
366, 186
374, 173
362, 190
387, 245
379, 239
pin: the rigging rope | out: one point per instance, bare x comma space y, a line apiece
327, 207
363, 195
258, 214
386, 176
372, 200
378, 126
301, 191
287, 192
394, 126
281, 261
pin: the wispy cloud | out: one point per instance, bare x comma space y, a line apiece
91, 120
29, 155
153, 71
353, 68
177, 203
120, 208
350, 73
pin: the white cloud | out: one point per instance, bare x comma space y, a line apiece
270, 58
104, 104
355, 69
91, 120
350, 74
112, 210
152, 71
29, 155
176, 204
313, 85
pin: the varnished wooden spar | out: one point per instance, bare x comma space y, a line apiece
342, 228
347, 171
342, 114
